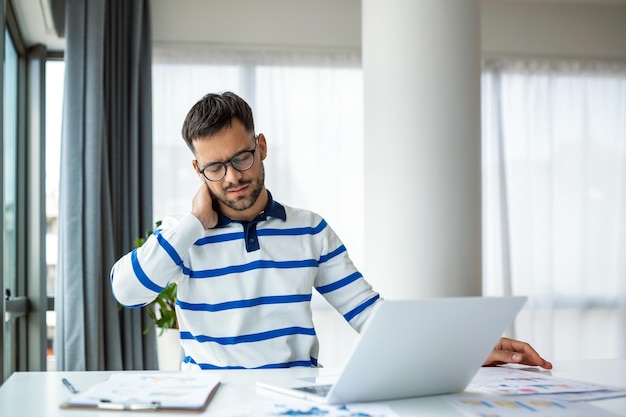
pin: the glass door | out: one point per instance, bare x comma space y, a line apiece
10, 180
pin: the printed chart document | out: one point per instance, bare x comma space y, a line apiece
515, 381
525, 406
184, 391
302, 408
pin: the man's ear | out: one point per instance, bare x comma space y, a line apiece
262, 146
194, 163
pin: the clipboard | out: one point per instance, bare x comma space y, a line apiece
148, 391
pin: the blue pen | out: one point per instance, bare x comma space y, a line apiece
69, 386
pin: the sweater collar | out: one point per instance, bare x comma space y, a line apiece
272, 209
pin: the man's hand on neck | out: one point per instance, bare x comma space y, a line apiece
202, 207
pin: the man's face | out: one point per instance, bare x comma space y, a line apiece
238, 190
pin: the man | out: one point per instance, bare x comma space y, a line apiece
246, 265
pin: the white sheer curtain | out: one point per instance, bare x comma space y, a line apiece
554, 201
308, 105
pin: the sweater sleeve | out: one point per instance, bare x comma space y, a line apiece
139, 276
343, 286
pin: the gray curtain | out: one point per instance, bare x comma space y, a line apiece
106, 182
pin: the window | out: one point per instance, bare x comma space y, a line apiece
54, 108
10, 189
310, 108
554, 166
22, 341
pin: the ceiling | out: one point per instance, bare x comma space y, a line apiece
36, 17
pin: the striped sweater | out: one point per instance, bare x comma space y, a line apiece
244, 288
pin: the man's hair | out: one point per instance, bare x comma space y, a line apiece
214, 112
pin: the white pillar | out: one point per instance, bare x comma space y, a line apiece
421, 64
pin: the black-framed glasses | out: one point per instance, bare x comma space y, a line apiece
241, 161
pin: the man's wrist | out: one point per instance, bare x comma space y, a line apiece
208, 222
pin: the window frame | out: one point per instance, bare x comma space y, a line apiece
25, 310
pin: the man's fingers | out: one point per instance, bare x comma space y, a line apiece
499, 357
202, 207
527, 354
514, 351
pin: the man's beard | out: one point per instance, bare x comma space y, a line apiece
244, 202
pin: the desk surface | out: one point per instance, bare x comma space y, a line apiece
28, 394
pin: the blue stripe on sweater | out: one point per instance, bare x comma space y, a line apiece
208, 366
325, 258
167, 247
126, 306
229, 305
226, 237
141, 275
260, 264
339, 284
355, 312
296, 231
248, 338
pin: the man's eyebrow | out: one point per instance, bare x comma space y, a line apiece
228, 160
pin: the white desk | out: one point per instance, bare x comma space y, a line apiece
27, 394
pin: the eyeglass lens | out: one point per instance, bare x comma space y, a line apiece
241, 162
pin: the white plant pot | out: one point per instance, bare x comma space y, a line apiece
169, 351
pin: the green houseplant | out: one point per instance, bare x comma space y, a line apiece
162, 310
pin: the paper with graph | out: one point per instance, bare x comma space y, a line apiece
524, 407
515, 381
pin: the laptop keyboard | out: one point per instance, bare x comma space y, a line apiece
321, 390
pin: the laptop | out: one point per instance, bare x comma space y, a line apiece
413, 348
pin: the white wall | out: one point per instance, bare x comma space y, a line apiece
334, 24
596, 29
422, 133
574, 28
553, 29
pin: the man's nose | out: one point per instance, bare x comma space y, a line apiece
232, 175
